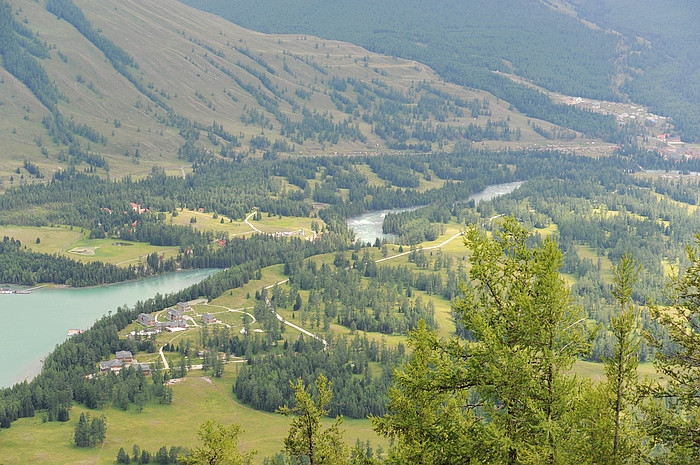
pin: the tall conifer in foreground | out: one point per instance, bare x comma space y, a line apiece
674, 419
507, 383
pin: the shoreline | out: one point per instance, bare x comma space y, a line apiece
51, 286
41, 320
28, 373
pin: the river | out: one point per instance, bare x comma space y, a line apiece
32, 324
494, 190
368, 226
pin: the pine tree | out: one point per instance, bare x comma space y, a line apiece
307, 440
82, 432
425, 424
607, 411
123, 457
162, 455
621, 368
673, 416
506, 386
98, 430
218, 366
220, 446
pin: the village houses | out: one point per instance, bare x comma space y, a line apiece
124, 359
147, 320
174, 314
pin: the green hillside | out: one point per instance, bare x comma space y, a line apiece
117, 87
667, 76
604, 49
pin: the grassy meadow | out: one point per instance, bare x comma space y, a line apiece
74, 243
195, 399
207, 221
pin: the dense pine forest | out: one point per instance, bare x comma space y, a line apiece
572, 215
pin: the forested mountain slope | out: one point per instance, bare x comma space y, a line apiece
649, 60
116, 87
668, 75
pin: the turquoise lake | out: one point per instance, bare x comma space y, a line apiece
32, 324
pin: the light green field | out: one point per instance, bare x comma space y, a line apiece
548, 231
74, 243
606, 265
605, 213
691, 208
116, 251
669, 267
207, 222
54, 239
596, 371
233, 317
271, 225
455, 248
443, 318
372, 178
287, 224
195, 399
434, 183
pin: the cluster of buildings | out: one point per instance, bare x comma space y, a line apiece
124, 359
175, 321
138, 208
680, 153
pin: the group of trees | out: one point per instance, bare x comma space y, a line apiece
503, 377
413, 227
129, 387
103, 207
600, 217
502, 395
668, 85
504, 392
163, 456
233, 189
90, 431
63, 378
307, 441
419, 119
667, 82
381, 304
356, 392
